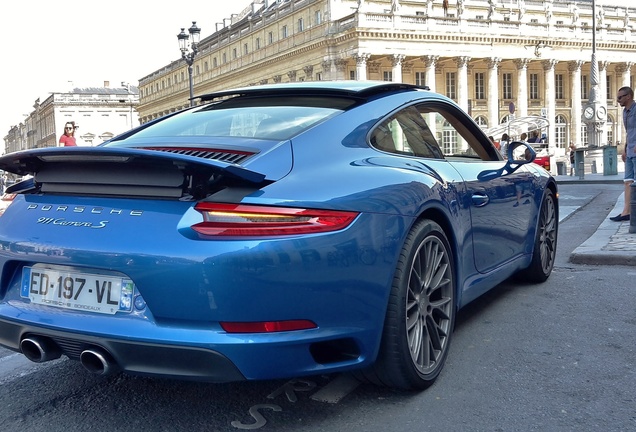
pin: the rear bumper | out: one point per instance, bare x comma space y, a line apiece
179, 362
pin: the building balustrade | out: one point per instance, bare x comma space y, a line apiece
532, 31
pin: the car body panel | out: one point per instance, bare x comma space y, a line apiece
129, 209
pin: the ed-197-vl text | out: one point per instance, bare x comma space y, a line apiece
69, 287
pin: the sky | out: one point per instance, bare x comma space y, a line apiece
51, 46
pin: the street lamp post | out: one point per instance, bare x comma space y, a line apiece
189, 46
595, 112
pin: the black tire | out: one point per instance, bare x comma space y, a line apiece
420, 314
545, 242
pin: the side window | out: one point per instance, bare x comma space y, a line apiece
455, 132
407, 133
455, 139
434, 130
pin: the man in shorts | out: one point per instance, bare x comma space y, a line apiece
625, 98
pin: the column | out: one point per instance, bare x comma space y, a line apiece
625, 71
430, 62
493, 91
341, 69
575, 95
550, 102
361, 66
522, 86
309, 73
462, 82
396, 63
326, 69
602, 81
602, 84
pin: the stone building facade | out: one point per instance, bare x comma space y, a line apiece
100, 113
487, 55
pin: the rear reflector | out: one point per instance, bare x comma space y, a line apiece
220, 219
267, 326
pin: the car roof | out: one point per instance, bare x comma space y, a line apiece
350, 89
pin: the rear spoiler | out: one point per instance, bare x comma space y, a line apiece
121, 172
34, 161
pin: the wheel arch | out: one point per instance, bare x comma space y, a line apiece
553, 187
438, 216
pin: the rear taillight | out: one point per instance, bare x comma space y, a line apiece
242, 220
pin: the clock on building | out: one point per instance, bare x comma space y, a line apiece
588, 113
601, 113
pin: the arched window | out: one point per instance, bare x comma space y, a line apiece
482, 122
506, 119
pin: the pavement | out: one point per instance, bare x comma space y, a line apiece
612, 243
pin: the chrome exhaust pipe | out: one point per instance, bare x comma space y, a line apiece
97, 362
39, 349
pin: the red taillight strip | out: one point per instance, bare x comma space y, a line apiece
267, 326
243, 220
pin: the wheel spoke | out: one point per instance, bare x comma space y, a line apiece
423, 359
415, 336
434, 334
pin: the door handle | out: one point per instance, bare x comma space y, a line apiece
480, 200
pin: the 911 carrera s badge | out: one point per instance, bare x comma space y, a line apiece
76, 224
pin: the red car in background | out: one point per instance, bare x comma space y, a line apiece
543, 157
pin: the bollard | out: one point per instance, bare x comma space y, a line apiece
632, 207
581, 170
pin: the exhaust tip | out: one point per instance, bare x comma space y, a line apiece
39, 350
97, 362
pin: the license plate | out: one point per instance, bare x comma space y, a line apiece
78, 291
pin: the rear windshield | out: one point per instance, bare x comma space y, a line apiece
260, 118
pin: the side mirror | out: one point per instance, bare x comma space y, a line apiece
520, 153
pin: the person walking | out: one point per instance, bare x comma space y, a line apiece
68, 138
625, 98
572, 150
505, 140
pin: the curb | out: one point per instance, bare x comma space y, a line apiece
607, 245
590, 179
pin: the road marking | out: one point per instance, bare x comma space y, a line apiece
336, 389
565, 211
259, 419
16, 366
291, 387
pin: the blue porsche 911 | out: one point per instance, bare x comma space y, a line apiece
271, 232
